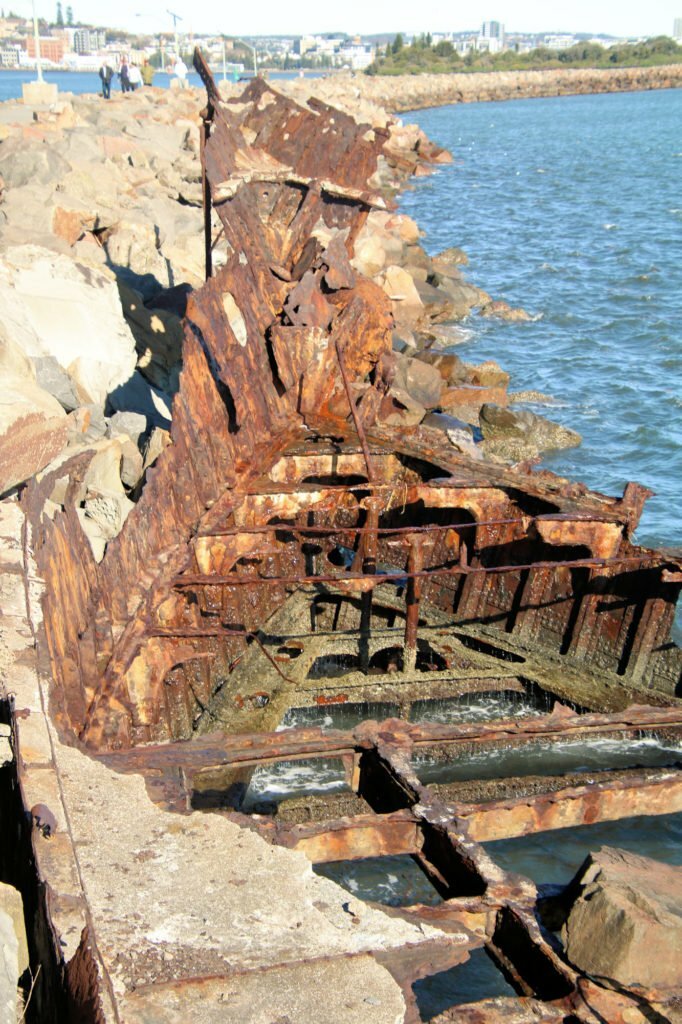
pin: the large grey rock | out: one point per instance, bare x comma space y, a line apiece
626, 921
53, 306
423, 382
30, 165
133, 251
515, 436
129, 424
459, 434
54, 379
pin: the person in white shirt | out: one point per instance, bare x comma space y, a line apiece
180, 70
134, 77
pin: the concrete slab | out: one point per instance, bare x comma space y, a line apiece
342, 991
176, 897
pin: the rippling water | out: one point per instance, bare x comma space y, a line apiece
572, 208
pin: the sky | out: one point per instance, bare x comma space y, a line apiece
298, 17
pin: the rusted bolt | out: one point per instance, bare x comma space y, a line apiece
44, 820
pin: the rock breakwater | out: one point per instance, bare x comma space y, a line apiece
413, 92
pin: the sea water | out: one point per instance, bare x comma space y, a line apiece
571, 208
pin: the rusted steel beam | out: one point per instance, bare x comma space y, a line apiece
200, 579
368, 543
366, 835
383, 531
415, 563
371, 475
220, 749
568, 808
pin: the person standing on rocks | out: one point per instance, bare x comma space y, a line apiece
147, 72
134, 77
124, 75
180, 70
106, 73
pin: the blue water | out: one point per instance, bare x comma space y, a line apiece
572, 208
88, 81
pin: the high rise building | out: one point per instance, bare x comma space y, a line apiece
677, 28
491, 37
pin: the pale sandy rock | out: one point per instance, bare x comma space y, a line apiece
400, 286
99, 477
12, 904
187, 258
96, 536
407, 228
370, 256
53, 306
132, 248
13, 360
158, 440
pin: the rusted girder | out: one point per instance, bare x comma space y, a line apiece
571, 807
221, 749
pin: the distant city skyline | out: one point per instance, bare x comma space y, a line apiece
609, 17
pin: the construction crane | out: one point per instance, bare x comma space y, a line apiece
176, 18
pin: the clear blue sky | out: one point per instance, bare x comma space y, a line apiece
281, 17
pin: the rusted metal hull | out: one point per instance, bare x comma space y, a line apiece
287, 524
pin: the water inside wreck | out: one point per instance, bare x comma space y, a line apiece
365, 646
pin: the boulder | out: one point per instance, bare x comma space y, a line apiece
13, 360
423, 382
406, 304
158, 440
30, 165
466, 400
459, 434
54, 379
503, 311
625, 923
452, 257
516, 436
133, 250
56, 307
451, 368
370, 256
463, 296
101, 474
399, 409
127, 424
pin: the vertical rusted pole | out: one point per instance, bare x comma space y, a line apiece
206, 193
415, 563
369, 565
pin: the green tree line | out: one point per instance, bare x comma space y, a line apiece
423, 56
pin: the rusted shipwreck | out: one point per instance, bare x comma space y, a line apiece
290, 550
